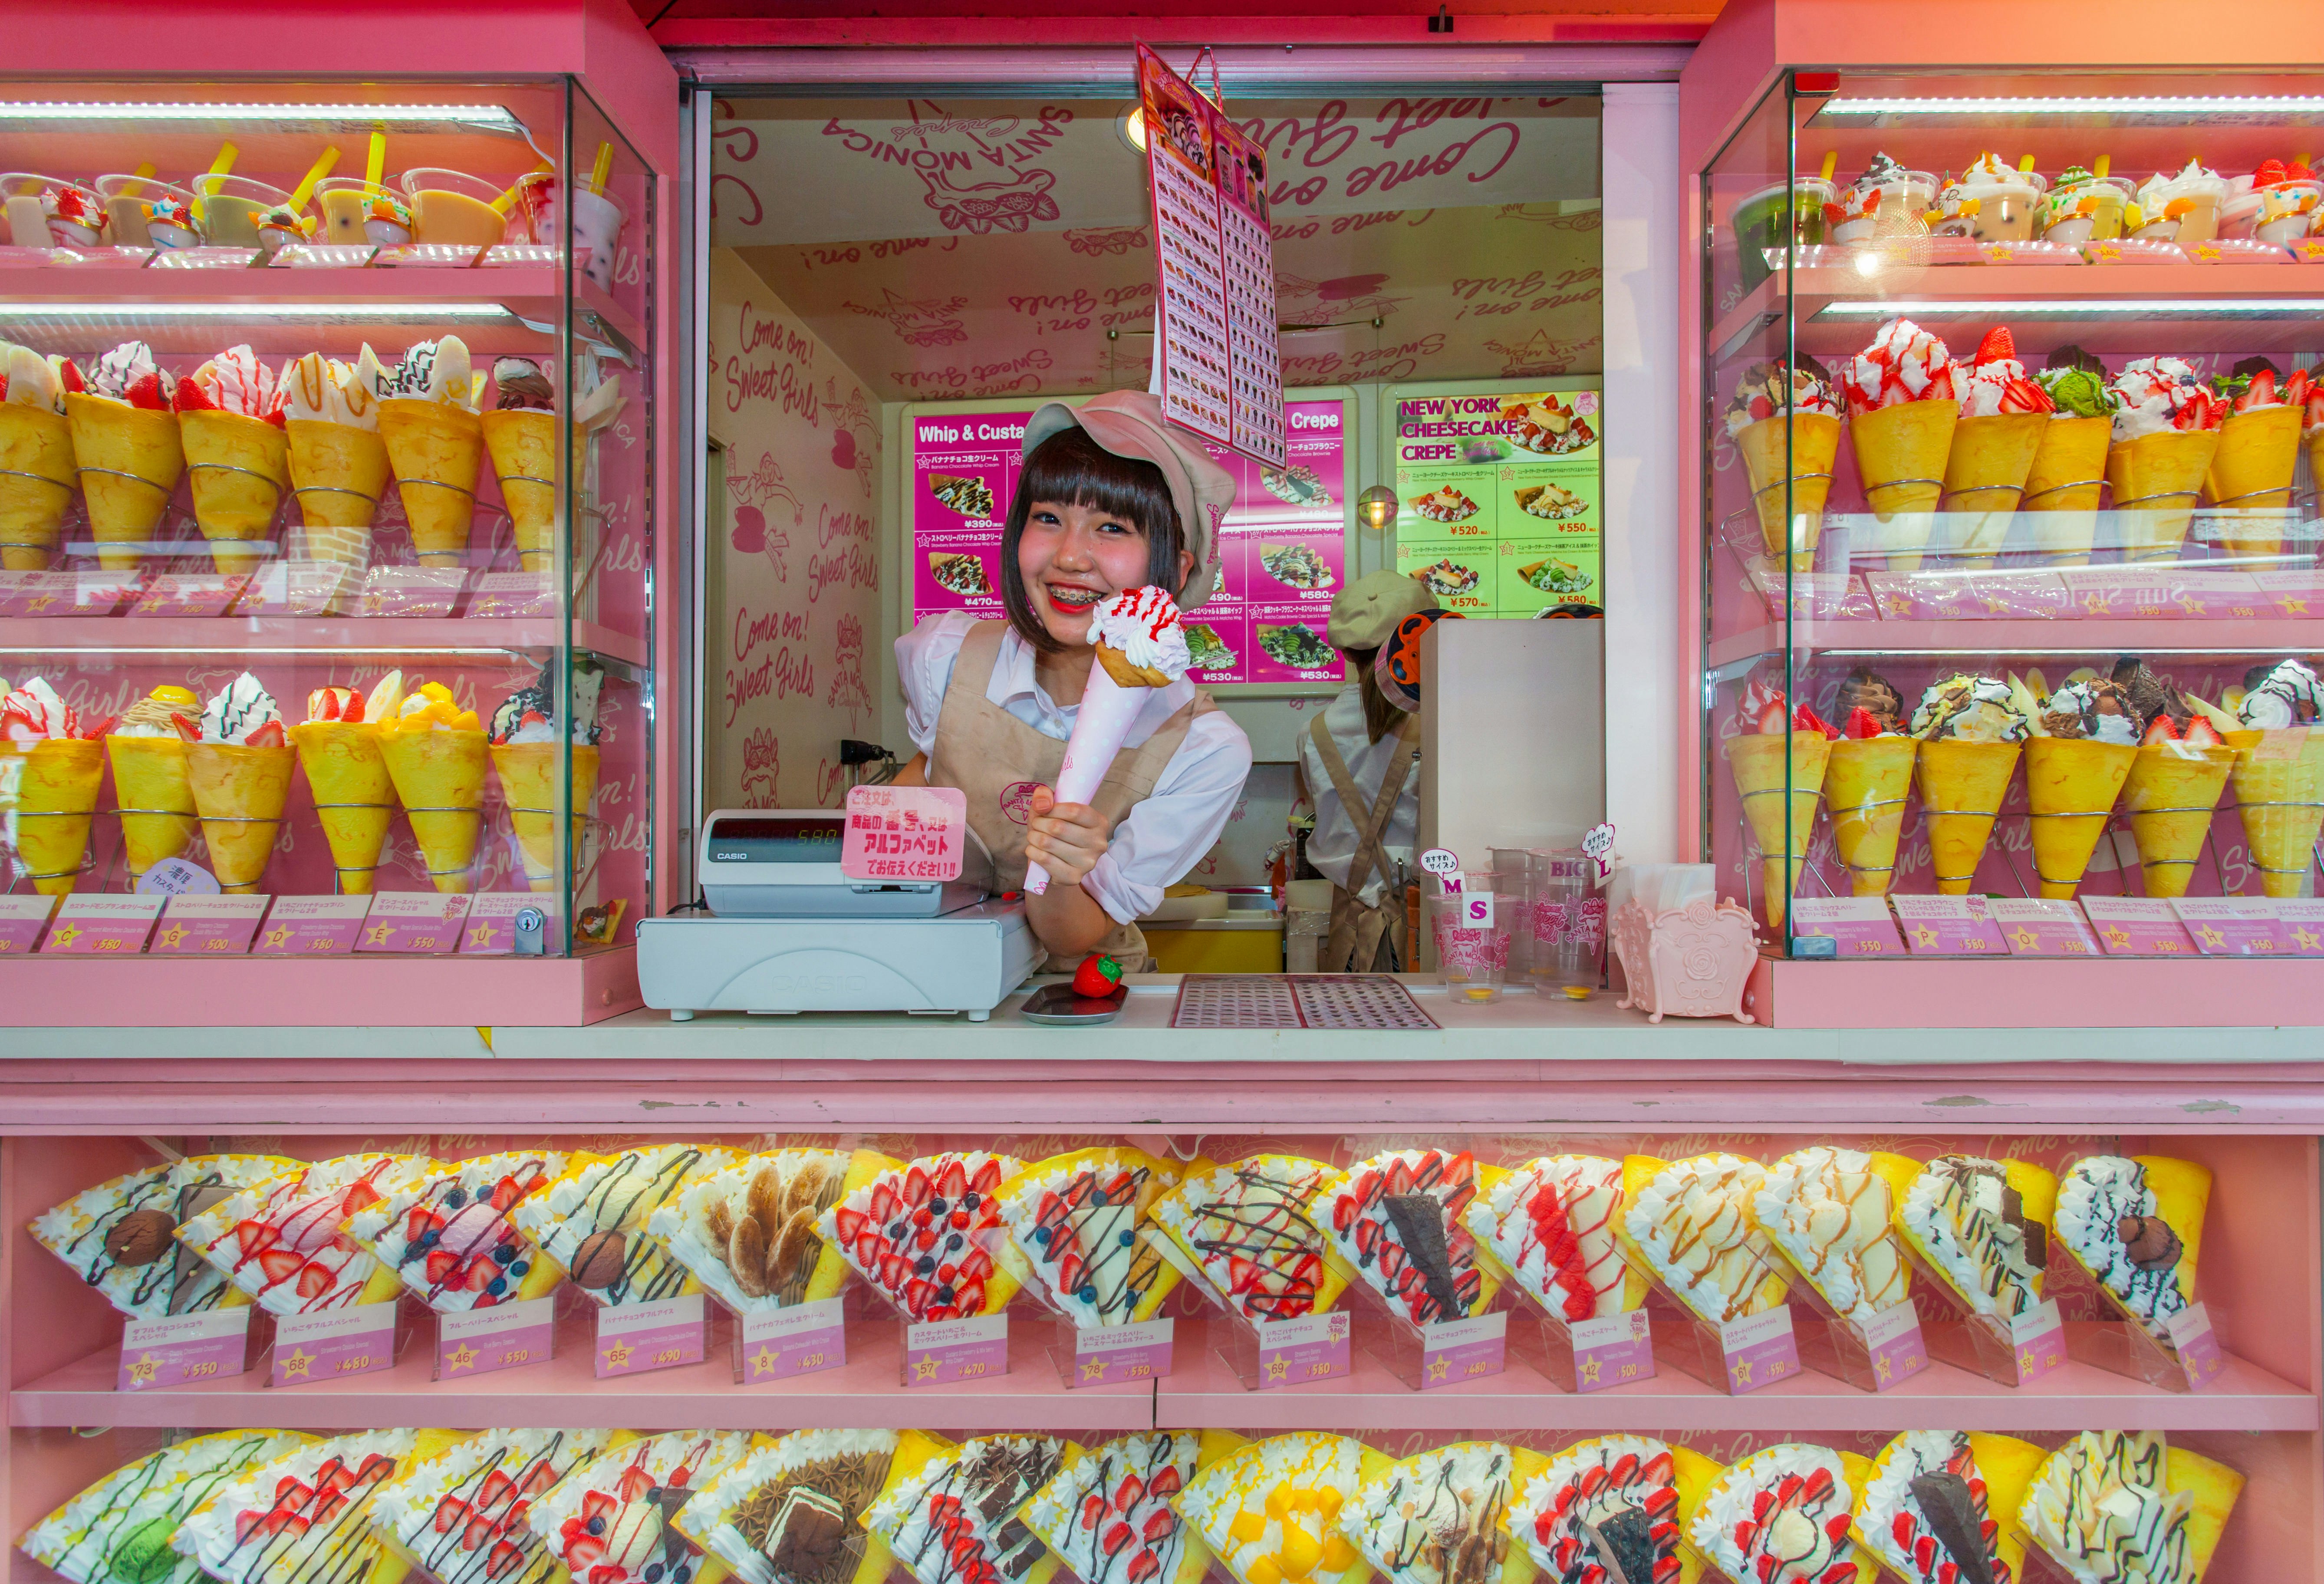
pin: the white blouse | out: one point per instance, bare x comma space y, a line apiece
1331, 849
1166, 833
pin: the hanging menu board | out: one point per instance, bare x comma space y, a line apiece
1498, 501
1282, 546
1214, 304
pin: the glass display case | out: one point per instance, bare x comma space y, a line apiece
328, 503
2012, 441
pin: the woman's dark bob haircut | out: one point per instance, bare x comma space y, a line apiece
1071, 469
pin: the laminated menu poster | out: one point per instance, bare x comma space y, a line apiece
1282, 546
1498, 501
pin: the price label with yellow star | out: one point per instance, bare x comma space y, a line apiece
209, 926
1948, 926
2200, 1354
1761, 1349
504, 1336
333, 1345
947, 1350
312, 926
179, 1349
106, 925
2038, 1338
1892, 1346
1858, 925
2302, 918
2235, 926
1114, 1353
1608, 1350
490, 930
778, 1344
2137, 926
1310, 1348
21, 920
662, 1333
2035, 926
414, 923
1454, 1351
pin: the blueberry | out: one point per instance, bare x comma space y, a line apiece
1128, 1238
456, 1199
925, 1264
596, 1526
653, 1572
653, 1495
519, 1268
968, 1200
900, 1231
938, 1206
497, 1286
944, 1294
426, 1240
680, 1574
955, 1241
506, 1252
1041, 1236
1088, 1294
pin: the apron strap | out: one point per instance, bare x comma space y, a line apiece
972, 675
1372, 824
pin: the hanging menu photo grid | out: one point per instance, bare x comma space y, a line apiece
1499, 505
1214, 314
1282, 546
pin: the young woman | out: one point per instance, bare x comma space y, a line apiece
1110, 498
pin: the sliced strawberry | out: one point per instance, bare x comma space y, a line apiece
951, 1179
280, 1264
68, 376
1806, 720
253, 1236
374, 1469
634, 1483
313, 1281
189, 397
596, 1504
917, 1293
884, 1205
504, 1559
1772, 719
975, 1265
1998, 345
479, 1530
2201, 733
149, 393
607, 1573
1166, 1482
1861, 723
188, 731
582, 1550
850, 1224
505, 1192
2161, 731
451, 1510
481, 1270
2260, 393
421, 1222
988, 1177
441, 1263
270, 736
917, 1189
494, 1488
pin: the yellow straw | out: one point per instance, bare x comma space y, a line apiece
2026, 163
376, 165
219, 167
2100, 168
144, 168
603, 169
1830, 163
315, 173
507, 200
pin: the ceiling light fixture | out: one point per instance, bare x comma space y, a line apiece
2244, 308
32, 115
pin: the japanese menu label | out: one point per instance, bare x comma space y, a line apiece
1214, 306
904, 834
2137, 926
1498, 502
102, 926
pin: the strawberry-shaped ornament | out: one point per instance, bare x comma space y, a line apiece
1098, 976
927, 1235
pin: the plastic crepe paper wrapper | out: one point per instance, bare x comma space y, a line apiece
1270, 1511
1110, 1513
2112, 1504
749, 1233
118, 1530
788, 1511
448, 1236
2135, 1224
1245, 1231
608, 1522
459, 1518
1831, 1213
305, 1518
1626, 1495
952, 1514
1690, 1222
1983, 1228
1441, 1516
1399, 1219
283, 1240
927, 1234
591, 1219
120, 1237
1549, 1225
1939, 1507
1784, 1513
1074, 1224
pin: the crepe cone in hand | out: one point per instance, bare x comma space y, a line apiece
2070, 787
1761, 767
2062, 488
354, 797
2251, 472
1864, 787
2166, 431
36, 457
56, 801
129, 460
239, 790
435, 754
2173, 786
530, 773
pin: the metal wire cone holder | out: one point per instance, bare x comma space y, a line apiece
372, 500
2248, 858
2027, 500
38, 478
338, 869
88, 859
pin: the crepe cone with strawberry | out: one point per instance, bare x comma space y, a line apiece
2278, 736
50, 765
435, 442
2166, 431
2069, 472
126, 446
927, 1235
461, 1518
230, 423
238, 762
280, 1241
1903, 402
1865, 780
1972, 730
609, 1521
2003, 418
2085, 739
2311, 427
1246, 1232
2259, 448
436, 754
338, 463
1779, 765
530, 755
2174, 784
150, 779
338, 746
1785, 422
36, 456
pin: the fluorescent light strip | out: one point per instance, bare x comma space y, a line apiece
2270, 107
2244, 308
495, 116
348, 312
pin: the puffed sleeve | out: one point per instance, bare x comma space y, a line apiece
924, 662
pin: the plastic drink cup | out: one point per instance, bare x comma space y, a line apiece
346, 202
1471, 958
450, 208
147, 212
1568, 925
2277, 213
2084, 211
1992, 209
1759, 228
46, 211
598, 222
231, 208
1893, 208
1513, 889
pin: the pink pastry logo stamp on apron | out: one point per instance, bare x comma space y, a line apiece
1017, 800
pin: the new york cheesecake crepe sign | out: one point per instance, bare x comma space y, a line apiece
591, 1219
1110, 1514
1246, 1234
1550, 1227
120, 1237
1692, 1224
2135, 1224
1399, 1219
751, 1233
953, 1514
609, 1521
1076, 1226
1614, 1507
1270, 1511
927, 1234
281, 1242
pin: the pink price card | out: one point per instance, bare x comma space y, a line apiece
312, 926
1114, 1353
22, 919
1893, 1340
503, 1336
2035, 926
1312, 1347
2303, 924
1761, 1349
1613, 1351
2308, 250
179, 1349
412, 591
1826, 597
333, 1345
904, 834
1454, 1351
2216, 596
206, 593
1948, 926
2137, 926
2111, 593
20, 590
417, 923
946, 1350
2038, 1338
209, 926
2197, 1346
1857, 926
490, 928
103, 927
661, 1334
511, 593
801, 1340
2014, 597
2295, 593
2234, 926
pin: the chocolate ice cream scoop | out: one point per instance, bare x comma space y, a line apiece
2150, 695
1949, 1510
523, 385
2149, 1242
1866, 690
1625, 1542
600, 1260
139, 1237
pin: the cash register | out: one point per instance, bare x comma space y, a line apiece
782, 929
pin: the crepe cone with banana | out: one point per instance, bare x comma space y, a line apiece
338, 463
230, 424
2166, 431
238, 762
1903, 402
1971, 733
2069, 472
338, 746
37, 476
1778, 763
151, 784
435, 752
2084, 741
1692, 1224
50, 765
127, 448
1866, 776
2135, 1224
530, 756
435, 443
2278, 736
1441, 1516
1828, 1211
749, 1231
1785, 422
2125, 1504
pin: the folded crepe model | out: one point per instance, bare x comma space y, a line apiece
1983, 1228
1782, 1516
1690, 1223
305, 1517
435, 442
118, 1530
280, 1241
120, 1237
1399, 1219
1245, 1231
953, 1514
1270, 1511
1109, 1514
927, 1235
125, 444
460, 1518
2135, 1224
1829, 1212
1939, 1506
591, 1219
2114, 1505
1441, 1516
1548, 1225
447, 1234
37, 476
787, 1512
750, 1233
609, 1521
1074, 1224
1613, 1509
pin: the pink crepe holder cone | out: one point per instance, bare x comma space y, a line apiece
1107, 711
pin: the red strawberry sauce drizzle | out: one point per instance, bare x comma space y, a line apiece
935, 1216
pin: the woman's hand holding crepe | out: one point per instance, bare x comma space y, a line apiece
1066, 839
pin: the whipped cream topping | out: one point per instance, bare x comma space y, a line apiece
2101, 1507
1274, 1502
2095, 1197
2290, 695
1780, 1516
117, 370
32, 712
1587, 1484
489, 1481
32, 379
1693, 1221
1994, 388
1828, 1210
2095, 711
1437, 1518
1905, 363
956, 1521
238, 712
2159, 395
323, 390
1142, 625
1959, 1211
1969, 709
1552, 1222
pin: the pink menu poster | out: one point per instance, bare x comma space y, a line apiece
1191, 304
964, 475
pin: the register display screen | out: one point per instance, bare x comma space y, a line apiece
777, 839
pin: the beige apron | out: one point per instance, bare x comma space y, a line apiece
1366, 939
997, 761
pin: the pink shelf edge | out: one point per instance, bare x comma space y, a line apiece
2032, 992
320, 633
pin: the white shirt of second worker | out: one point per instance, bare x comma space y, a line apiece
1331, 849
1166, 833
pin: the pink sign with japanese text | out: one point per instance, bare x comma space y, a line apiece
904, 834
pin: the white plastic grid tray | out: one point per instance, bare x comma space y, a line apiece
1297, 1000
